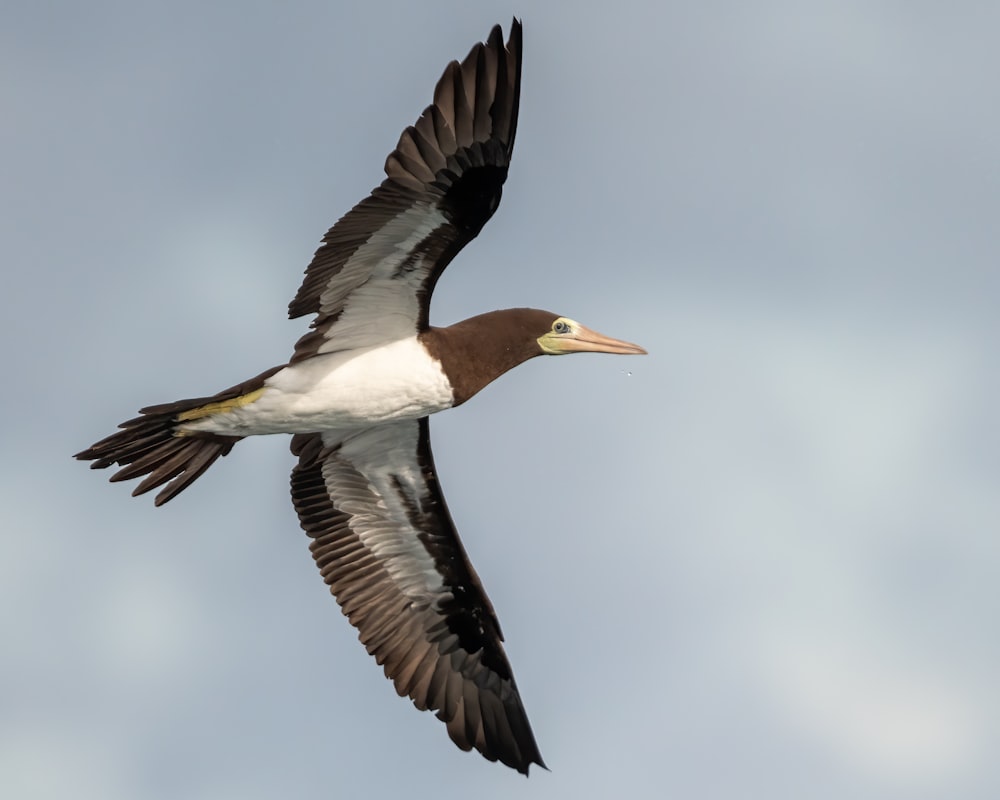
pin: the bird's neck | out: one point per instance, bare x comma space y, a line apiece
475, 352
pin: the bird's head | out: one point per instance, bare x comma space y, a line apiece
477, 351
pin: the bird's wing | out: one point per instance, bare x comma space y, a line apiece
371, 280
385, 544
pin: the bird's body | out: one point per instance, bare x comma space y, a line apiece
346, 390
356, 396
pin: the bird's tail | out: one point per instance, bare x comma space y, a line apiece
153, 445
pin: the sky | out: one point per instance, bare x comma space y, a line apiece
762, 561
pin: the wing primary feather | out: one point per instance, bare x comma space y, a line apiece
485, 91
461, 114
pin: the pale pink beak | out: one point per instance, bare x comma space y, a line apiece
584, 340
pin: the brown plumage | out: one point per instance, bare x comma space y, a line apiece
487, 346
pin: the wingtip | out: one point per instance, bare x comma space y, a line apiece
536, 761
516, 34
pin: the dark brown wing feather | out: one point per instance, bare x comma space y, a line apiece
385, 544
444, 182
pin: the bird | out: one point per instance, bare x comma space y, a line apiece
356, 395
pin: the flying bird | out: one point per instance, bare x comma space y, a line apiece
356, 396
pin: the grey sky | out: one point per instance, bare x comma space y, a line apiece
762, 561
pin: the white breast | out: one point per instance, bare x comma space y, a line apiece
334, 391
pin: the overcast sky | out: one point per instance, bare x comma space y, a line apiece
763, 561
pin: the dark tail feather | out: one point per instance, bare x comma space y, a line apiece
151, 445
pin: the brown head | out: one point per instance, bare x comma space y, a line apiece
479, 350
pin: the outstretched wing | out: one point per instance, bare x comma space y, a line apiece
385, 544
372, 278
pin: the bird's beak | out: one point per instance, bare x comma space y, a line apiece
584, 340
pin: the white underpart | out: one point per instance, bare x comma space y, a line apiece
384, 305
341, 391
386, 457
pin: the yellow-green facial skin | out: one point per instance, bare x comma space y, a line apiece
569, 336
553, 343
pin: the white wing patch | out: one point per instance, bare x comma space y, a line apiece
377, 287
381, 511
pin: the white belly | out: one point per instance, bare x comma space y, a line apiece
341, 391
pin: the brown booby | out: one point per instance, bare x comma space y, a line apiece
356, 396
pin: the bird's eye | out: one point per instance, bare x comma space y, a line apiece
560, 326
